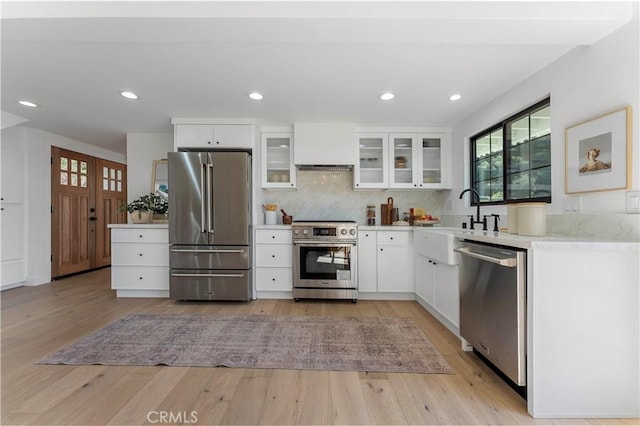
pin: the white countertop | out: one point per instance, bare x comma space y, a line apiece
528, 242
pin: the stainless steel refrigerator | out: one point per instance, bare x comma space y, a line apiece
210, 225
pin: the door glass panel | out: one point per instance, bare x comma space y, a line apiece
83, 167
74, 179
325, 263
119, 174
105, 184
371, 159
431, 160
74, 166
402, 160
119, 186
64, 178
83, 181
113, 185
105, 172
113, 173
278, 159
64, 163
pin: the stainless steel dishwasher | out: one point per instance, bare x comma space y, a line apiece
493, 305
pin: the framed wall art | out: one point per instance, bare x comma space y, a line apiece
598, 153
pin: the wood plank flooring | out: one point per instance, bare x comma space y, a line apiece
38, 320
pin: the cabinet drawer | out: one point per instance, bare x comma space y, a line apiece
139, 278
273, 236
140, 235
129, 254
274, 255
274, 279
399, 238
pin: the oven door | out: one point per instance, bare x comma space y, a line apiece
324, 265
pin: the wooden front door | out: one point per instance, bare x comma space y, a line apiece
81, 209
111, 193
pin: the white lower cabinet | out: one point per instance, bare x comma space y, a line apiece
273, 262
367, 261
385, 261
140, 260
437, 285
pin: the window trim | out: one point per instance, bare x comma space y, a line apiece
502, 125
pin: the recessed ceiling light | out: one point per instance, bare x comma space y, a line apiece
28, 104
256, 96
129, 95
455, 97
387, 96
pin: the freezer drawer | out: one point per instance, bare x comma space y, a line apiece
189, 284
210, 257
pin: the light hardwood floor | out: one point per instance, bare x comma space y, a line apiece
38, 320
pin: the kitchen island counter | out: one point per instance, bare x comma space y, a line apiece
583, 328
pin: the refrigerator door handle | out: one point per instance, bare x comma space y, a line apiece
203, 199
210, 201
238, 251
177, 274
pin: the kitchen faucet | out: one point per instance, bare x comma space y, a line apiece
477, 220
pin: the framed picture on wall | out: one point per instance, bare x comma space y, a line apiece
598, 153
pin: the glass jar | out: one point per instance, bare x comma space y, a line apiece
371, 215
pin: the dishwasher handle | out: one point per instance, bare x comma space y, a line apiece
509, 262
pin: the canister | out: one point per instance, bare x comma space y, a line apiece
270, 217
532, 219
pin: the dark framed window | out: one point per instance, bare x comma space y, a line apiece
511, 161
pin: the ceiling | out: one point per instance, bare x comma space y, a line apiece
314, 61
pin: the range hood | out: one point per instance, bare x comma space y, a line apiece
324, 146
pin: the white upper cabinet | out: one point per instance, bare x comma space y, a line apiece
372, 168
420, 161
213, 136
278, 170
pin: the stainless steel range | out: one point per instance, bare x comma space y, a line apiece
324, 260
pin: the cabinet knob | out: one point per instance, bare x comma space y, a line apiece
273, 279
273, 237
381, 249
139, 278
391, 238
273, 255
140, 254
209, 142
140, 235
218, 142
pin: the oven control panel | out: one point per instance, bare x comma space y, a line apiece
347, 231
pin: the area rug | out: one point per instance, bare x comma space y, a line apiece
258, 341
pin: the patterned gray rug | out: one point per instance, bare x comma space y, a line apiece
258, 341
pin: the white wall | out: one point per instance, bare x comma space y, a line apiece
584, 83
38, 197
142, 149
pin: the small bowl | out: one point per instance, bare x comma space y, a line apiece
287, 220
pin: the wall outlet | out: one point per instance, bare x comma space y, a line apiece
572, 204
633, 202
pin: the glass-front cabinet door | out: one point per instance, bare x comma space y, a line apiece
403, 160
435, 155
278, 170
421, 160
372, 168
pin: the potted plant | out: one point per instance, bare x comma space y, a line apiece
142, 209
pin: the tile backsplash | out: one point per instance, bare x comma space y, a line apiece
324, 195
